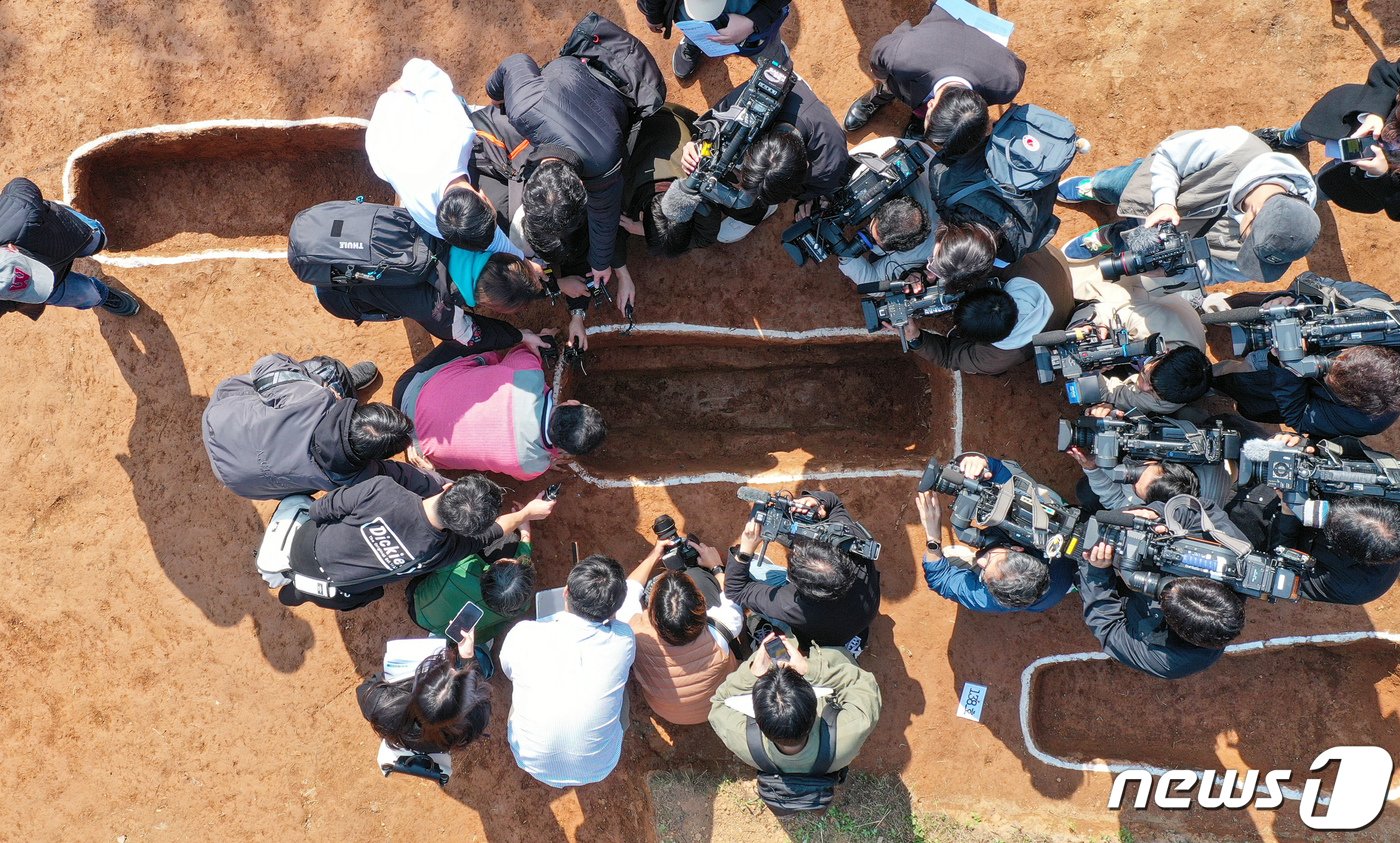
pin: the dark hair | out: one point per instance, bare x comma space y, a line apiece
676, 608
819, 570
1390, 141
1175, 479
784, 704
466, 219
1181, 375
958, 123
1364, 377
577, 428
1364, 529
1024, 578
902, 224
469, 507
987, 314
555, 204
964, 254
774, 167
596, 588
507, 586
440, 708
1203, 612
377, 432
664, 235
507, 284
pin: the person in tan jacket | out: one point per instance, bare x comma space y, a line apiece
684, 628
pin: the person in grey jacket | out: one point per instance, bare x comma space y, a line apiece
1254, 206
563, 104
291, 427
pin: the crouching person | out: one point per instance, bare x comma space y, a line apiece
685, 630
799, 720
427, 702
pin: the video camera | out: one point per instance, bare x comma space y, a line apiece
738, 127
1017, 507
1163, 247
680, 555
1079, 350
903, 300
1110, 441
1302, 477
1147, 560
878, 180
779, 523
1297, 332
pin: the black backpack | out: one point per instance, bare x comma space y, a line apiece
789, 793
622, 61
341, 244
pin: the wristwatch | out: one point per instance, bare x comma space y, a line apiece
934, 546
579, 312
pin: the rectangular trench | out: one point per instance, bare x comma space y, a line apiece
693, 406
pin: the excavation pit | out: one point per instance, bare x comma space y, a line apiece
198, 188
687, 406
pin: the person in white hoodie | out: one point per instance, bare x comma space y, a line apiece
1254, 206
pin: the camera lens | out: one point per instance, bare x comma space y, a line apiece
1111, 267
665, 527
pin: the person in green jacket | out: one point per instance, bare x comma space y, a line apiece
501, 580
787, 701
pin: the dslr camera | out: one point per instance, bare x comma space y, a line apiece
1302, 478
879, 179
1110, 441
1079, 350
1147, 560
780, 523
730, 132
1025, 512
1319, 320
679, 555
1164, 247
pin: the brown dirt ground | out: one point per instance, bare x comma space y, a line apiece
160, 693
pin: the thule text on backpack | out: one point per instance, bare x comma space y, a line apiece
351, 244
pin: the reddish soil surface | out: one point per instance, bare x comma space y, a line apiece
157, 691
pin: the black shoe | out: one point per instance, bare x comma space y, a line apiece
686, 59
1274, 138
120, 304
363, 374
914, 129
865, 107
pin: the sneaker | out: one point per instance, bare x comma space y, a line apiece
120, 304
1088, 246
1075, 190
363, 374
865, 107
686, 59
1274, 138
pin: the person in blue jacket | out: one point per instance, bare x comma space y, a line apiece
997, 577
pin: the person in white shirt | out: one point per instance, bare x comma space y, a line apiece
570, 675
420, 141
902, 229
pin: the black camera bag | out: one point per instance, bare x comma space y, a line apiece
346, 244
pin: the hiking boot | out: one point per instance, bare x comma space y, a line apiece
1075, 190
866, 105
120, 304
1088, 246
686, 59
1274, 138
363, 374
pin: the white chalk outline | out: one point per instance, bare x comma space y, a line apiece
1040, 755
136, 259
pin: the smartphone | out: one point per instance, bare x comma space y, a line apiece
777, 650
1355, 149
465, 622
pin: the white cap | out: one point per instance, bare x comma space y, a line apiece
23, 278
704, 10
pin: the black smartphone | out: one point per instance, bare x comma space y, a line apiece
1355, 149
465, 622
777, 650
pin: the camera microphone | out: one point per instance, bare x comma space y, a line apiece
753, 495
1240, 314
1125, 520
1257, 450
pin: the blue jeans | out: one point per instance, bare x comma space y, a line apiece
76, 289
762, 569
1108, 185
1295, 136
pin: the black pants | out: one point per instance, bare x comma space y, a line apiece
1253, 393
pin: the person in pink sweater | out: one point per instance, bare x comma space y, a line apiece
493, 412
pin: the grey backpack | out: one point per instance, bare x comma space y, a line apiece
341, 244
